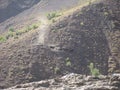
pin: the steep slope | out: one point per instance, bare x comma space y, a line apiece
10, 8
86, 35
25, 17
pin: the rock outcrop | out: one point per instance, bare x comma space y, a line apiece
74, 82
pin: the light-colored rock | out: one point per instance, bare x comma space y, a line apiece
73, 82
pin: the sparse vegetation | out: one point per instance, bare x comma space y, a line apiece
56, 70
12, 33
19, 32
94, 71
29, 28
52, 15
11, 29
9, 34
35, 26
2, 39
68, 62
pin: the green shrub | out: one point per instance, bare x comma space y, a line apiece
56, 70
52, 15
29, 28
35, 26
19, 32
68, 62
2, 39
94, 71
9, 34
11, 30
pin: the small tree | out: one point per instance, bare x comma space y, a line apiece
94, 71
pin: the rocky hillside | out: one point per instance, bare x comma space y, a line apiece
75, 38
91, 35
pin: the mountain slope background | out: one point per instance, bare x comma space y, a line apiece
19, 10
10, 8
71, 43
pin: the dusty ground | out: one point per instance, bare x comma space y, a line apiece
90, 34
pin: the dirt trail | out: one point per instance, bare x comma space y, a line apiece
43, 30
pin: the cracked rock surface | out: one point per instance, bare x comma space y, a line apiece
73, 82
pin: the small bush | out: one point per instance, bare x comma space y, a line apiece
52, 15
19, 32
56, 70
2, 39
11, 30
68, 62
94, 71
35, 26
9, 34
29, 28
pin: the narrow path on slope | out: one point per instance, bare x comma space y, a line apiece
43, 30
